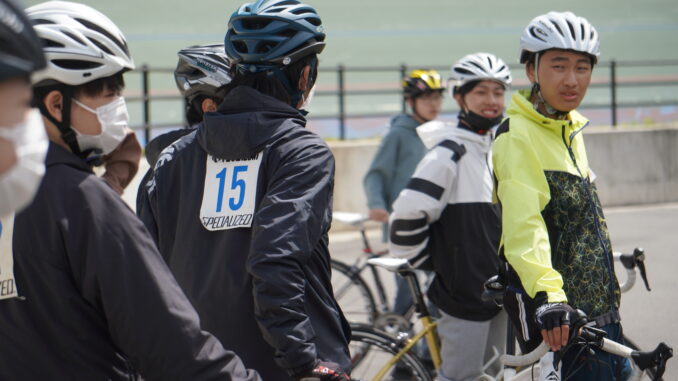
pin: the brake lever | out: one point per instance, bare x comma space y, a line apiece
664, 357
639, 259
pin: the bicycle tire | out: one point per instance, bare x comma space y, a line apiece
370, 351
353, 294
649, 373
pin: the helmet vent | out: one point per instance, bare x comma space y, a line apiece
569, 25
100, 46
300, 11
287, 33
255, 23
314, 21
557, 27
266, 47
121, 44
463, 71
41, 22
240, 46
476, 65
74, 37
533, 33
288, 2
52, 44
76, 65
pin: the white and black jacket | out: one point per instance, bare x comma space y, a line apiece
445, 218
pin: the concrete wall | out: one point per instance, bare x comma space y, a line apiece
632, 167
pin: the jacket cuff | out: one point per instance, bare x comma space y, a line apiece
301, 371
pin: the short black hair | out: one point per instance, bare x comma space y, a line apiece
265, 82
466, 88
114, 83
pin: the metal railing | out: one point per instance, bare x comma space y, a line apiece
343, 90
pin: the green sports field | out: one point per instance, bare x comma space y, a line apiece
394, 32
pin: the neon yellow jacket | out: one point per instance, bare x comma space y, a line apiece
554, 232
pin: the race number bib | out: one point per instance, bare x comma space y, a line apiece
7, 282
229, 195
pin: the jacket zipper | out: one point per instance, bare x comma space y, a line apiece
589, 193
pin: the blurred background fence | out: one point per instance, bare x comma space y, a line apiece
642, 92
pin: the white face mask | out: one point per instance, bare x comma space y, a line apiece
114, 120
19, 184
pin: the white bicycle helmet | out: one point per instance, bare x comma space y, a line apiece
81, 44
559, 30
478, 67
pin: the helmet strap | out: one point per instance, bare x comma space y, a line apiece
67, 133
416, 113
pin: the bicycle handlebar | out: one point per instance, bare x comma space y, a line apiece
596, 337
630, 262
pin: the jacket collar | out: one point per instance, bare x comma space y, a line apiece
245, 121
521, 105
57, 154
246, 99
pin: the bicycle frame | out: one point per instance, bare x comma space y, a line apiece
429, 331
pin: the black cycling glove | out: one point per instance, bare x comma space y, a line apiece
551, 315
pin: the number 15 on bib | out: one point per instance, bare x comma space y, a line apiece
230, 191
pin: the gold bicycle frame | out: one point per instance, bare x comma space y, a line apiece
432, 340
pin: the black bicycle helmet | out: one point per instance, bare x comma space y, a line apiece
273, 33
20, 48
202, 70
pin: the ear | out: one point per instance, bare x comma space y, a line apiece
460, 100
54, 102
410, 102
208, 105
303, 79
529, 71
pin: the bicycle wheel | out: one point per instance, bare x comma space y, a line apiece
649, 373
352, 294
372, 349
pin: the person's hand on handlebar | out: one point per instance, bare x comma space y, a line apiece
553, 320
324, 371
379, 215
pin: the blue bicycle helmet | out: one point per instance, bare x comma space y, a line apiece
273, 33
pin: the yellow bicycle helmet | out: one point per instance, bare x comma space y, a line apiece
421, 81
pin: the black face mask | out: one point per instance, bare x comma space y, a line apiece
476, 123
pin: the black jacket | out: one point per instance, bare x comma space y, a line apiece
152, 152
96, 299
264, 290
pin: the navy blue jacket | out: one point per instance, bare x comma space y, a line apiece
97, 301
263, 290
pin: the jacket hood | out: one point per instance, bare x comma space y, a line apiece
521, 106
405, 121
244, 122
435, 131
